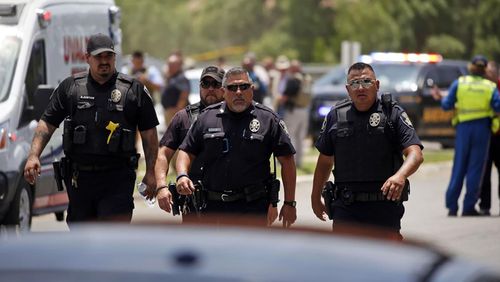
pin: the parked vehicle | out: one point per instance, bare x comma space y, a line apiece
410, 78
225, 253
41, 43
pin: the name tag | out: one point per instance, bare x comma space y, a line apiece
87, 97
217, 129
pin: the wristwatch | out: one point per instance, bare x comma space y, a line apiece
290, 203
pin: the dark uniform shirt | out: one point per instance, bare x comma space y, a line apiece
405, 133
177, 129
143, 114
236, 147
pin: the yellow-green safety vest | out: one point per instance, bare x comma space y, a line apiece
473, 98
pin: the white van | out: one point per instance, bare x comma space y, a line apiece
41, 43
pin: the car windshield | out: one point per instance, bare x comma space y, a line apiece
9, 52
399, 77
336, 76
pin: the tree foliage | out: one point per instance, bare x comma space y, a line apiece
310, 30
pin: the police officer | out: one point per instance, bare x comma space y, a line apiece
474, 98
236, 138
102, 109
211, 92
364, 139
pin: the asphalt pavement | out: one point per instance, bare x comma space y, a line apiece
474, 238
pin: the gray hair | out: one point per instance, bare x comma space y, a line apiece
235, 71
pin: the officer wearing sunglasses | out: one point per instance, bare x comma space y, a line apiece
364, 139
236, 138
211, 92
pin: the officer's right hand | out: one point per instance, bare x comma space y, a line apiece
164, 198
319, 208
32, 169
185, 186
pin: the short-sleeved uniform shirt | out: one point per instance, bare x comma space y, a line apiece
405, 133
175, 86
142, 114
176, 130
236, 147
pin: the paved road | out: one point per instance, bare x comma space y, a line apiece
425, 218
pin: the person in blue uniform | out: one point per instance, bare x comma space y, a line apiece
474, 98
236, 138
364, 140
211, 92
101, 109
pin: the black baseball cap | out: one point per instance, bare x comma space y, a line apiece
99, 43
479, 61
213, 72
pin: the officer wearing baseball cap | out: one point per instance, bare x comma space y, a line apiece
474, 99
99, 43
211, 92
101, 109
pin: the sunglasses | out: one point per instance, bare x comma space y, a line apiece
206, 84
235, 87
357, 83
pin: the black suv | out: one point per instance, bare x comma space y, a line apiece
410, 84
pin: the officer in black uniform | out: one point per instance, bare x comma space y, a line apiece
211, 92
235, 139
364, 138
101, 110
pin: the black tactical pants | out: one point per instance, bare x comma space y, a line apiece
102, 195
384, 215
237, 212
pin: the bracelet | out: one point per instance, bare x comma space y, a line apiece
161, 187
181, 176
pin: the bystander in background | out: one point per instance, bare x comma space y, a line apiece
175, 95
295, 102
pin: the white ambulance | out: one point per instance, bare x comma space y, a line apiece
41, 43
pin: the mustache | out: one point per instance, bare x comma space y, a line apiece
104, 65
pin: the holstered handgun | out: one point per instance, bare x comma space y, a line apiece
199, 198
63, 172
58, 175
273, 189
328, 194
406, 191
176, 205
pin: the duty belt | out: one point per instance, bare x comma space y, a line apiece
130, 162
98, 167
348, 196
249, 193
225, 196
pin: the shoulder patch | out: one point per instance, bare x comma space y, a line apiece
323, 126
283, 126
406, 119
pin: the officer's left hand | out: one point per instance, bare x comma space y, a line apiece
393, 187
288, 214
272, 214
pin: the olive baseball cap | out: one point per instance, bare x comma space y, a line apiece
213, 72
99, 43
479, 61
